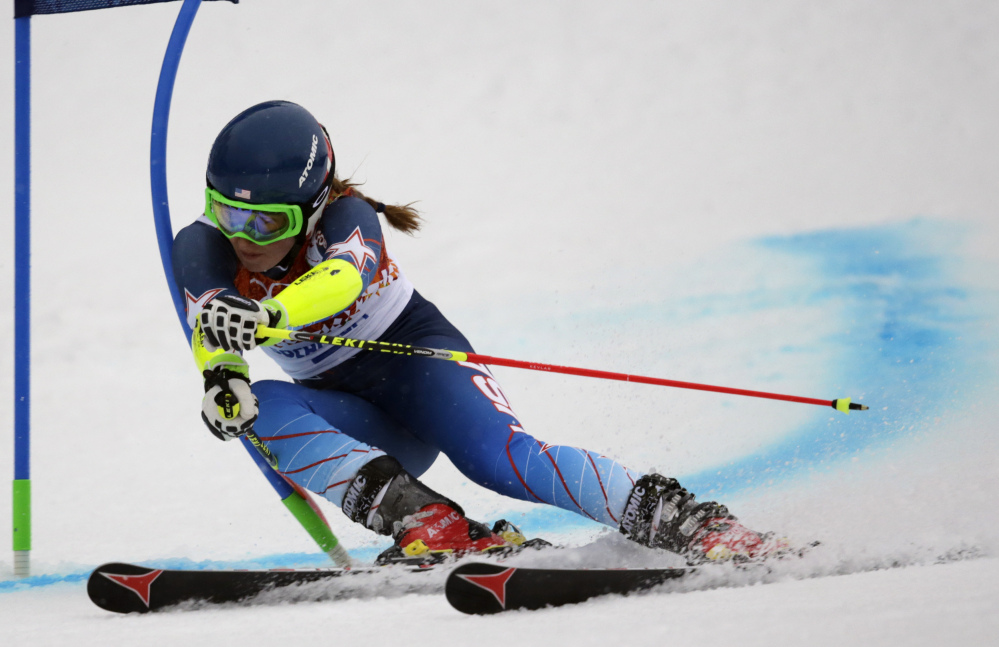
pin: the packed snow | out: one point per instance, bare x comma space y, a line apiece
790, 196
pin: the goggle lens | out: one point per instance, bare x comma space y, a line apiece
258, 225
261, 224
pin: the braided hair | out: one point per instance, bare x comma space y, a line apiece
402, 217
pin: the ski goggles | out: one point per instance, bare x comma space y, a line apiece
259, 223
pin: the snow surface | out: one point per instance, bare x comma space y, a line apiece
787, 196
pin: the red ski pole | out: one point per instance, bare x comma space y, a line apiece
840, 404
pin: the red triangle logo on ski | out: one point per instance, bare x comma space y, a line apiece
495, 583
139, 584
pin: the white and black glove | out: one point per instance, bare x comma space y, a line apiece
229, 408
230, 322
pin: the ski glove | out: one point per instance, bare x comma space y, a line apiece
230, 322
229, 408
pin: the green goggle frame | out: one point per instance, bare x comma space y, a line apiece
262, 224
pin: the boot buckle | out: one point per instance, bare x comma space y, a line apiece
415, 548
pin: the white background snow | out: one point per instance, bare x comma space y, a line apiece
660, 188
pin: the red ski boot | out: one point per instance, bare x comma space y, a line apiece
427, 527
724, 538
437, 532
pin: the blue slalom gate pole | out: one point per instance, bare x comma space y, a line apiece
22, 297
161, 201
310, 518
157, 150
23, 10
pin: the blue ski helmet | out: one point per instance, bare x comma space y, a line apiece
274, 153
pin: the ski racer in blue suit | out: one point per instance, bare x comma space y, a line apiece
358, 428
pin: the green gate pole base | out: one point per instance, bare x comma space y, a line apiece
317, 528
22, 527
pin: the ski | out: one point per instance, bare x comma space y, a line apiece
480, 589
130, 588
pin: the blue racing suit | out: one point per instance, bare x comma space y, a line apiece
346, 407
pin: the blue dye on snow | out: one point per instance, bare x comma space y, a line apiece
10, 586
283, 560
914, 344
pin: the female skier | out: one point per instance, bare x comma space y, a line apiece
358, 428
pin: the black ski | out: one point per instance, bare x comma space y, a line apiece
480, 588
128, 588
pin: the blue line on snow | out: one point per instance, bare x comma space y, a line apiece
285, 560
914, 344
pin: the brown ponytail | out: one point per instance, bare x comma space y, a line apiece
402, 217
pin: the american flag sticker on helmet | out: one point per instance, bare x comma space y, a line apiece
243, 193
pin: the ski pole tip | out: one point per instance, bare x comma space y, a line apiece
844, 405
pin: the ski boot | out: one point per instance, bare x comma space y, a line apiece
427, 527
439, 532
661, 514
